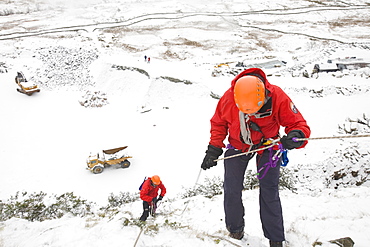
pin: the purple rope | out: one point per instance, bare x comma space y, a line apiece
273, 159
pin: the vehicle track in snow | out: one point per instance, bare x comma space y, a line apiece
177, 16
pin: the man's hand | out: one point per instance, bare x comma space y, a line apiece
288, 142
154, 200
212, 154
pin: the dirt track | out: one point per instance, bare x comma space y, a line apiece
235, 18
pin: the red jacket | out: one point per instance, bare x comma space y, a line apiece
278, 111
148, 192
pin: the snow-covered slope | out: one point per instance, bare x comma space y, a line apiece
161, 110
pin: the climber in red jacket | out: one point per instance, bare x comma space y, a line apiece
149, 193
249, 114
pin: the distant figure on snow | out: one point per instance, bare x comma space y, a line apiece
149, 193
148, 59
145, 58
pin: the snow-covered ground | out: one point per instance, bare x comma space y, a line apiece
161, 111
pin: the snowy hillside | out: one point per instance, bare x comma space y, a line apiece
98, 92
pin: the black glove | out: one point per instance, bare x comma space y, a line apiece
155, 200
159, 198
212, 154
287, 141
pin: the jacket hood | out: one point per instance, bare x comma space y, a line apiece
254, 72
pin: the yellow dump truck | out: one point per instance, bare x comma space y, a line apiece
25, 86
97, 162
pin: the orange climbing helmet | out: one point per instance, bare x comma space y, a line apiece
156, 180
249, 94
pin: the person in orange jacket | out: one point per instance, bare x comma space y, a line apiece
149, 193
249, 114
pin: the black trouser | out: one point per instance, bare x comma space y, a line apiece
270, 206
146, 206
145, 214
